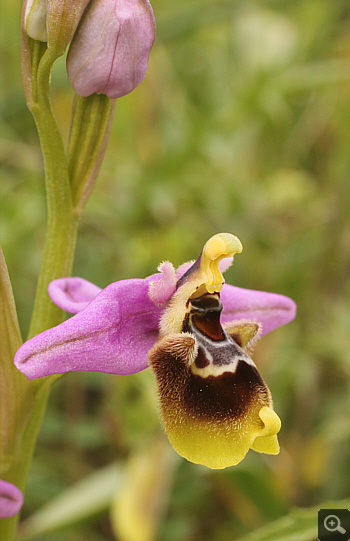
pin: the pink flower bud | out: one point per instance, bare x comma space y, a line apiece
110, 49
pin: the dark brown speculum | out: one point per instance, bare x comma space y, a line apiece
223, 380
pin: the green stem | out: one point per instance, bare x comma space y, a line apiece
62, 220
62, 223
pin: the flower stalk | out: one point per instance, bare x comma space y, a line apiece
62, 221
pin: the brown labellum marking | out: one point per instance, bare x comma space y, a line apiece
205, 315
202, 360
217, 351
227, 396
185, 395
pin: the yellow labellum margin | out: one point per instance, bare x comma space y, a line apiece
214, 404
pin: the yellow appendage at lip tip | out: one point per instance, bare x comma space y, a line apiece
267, 441
216, 248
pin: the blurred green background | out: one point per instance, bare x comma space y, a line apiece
241, 125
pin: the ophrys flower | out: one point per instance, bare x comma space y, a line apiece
196, 333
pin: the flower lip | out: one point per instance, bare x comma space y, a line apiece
214, 403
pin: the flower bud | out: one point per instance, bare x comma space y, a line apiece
53, 21
109, 52
35, 19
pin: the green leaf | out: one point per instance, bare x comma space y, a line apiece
300, 524
87, 497
9, 329
15, 390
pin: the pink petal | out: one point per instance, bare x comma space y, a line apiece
162, 286
11, 499
270, 309
72, 294
180, 271
112, 334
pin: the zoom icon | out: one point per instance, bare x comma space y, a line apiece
334, 525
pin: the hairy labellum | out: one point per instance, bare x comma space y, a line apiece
214, 403
209, 389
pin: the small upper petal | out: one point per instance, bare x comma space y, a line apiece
112, 334
163, 285
11, 499
270, 309
72, 294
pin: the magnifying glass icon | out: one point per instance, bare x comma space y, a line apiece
332, 524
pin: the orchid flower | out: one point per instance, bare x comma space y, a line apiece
194, 331
11, 499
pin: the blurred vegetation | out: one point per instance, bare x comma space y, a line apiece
241, 125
